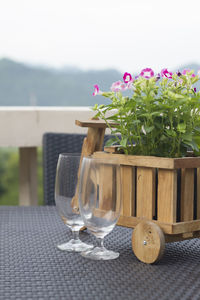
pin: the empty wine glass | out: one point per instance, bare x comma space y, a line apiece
100, 202
66, 199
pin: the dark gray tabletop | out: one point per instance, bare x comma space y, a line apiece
31, 267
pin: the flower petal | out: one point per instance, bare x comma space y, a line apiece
166, 73
147, 73
127, 77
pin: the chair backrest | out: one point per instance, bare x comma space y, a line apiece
53, 145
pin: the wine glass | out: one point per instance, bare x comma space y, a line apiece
100, 202
66, 199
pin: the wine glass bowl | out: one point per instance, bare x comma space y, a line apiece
100, 201
66, 199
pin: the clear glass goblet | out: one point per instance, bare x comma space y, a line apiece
66, 199
100, 202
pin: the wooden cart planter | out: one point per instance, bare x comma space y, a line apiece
161, 196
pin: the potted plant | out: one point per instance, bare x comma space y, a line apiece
160, 117
155, 120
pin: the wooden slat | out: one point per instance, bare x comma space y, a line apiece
152, 161
198, 193
28, 176
187, 194
168, 228
128, 190
94, 123
186, 162
145, 192
189, 226
93, 142
131, 222
107, 185
167, 195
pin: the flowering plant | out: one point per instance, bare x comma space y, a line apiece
160, 118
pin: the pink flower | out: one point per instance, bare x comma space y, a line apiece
147, 73
96, 90
166, 73
130, 84
118, 86
185, 71
127, 77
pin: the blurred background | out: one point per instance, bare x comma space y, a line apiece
53, 52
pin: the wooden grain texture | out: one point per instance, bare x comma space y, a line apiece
198, 193
128, 190
183, 227
93, 142
145, 192
152, 161
167, 196
95, 123
187, 194
28, 176
107, 192
148, 242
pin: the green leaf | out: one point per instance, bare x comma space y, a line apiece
124, 141
148, 129
111, 141
181, 127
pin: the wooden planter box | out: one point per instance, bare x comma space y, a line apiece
160, 196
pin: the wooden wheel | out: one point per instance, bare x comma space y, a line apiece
148, 242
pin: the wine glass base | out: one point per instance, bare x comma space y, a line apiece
98, 253
75, 245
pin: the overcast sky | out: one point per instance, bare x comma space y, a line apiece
124, 34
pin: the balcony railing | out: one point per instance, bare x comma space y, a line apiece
23, 127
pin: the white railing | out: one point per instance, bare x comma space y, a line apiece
23, 127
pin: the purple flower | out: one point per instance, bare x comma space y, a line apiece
127, 77
147, 73
178, 73
195, 89
166, 73
157, 76
96, 90
118, 86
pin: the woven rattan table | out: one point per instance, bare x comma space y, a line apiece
31, 267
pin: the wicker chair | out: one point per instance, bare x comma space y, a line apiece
53, 145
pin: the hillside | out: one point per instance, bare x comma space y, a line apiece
24, 85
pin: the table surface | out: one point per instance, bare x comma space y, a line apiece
31, 267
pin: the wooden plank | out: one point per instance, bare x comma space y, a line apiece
189, 226
107, 192
139, 161
128, 190
145, 192
186, 162
132, 222
93, 142
95, 123
187, 194
168, 228
28, 176
198, 193
153, 161
167, 195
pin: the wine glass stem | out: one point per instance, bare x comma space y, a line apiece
100, 243
75, 235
